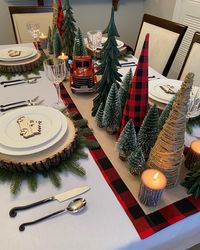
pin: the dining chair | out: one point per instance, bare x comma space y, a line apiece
21, 15
192, 60
164, 41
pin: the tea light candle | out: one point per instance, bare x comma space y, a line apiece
153, 183
193, 154
43, 41
63, 57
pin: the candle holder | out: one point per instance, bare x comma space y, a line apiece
43, 41
65, 59
153, 183
193, 154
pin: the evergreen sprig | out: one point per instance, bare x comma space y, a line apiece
192, 181
192, 122
69, 165
35, 71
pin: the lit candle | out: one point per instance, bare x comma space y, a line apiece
43, 41
63, 57
193, 154
153, 183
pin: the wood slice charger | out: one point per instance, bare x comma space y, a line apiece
50, 157
20, 65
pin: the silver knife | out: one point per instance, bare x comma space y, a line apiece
59, 197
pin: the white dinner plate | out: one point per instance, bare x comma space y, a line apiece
41, 147
120, 44
26, 52
10, 131
158, 94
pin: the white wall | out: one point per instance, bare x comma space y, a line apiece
161, 8
89, 14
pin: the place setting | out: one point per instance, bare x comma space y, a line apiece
89, 106
95, 42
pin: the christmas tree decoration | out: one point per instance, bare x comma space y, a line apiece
167, 153
57, 44
50, 42
193, 154
165, 113
69, 28
136, 162
137, 100
55, 14
112, 111
60, 18
99, 115
124, 87
127, 141
148, 132
79, 48
108, 66
192, 181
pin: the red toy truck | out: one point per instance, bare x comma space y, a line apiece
82, 76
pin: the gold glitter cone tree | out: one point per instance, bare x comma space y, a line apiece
167, 153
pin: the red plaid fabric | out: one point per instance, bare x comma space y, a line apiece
146, 225
137, 100
60, 18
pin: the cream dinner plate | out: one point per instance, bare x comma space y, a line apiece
120, 44
158, 94
38, 148
26, 53
10, 130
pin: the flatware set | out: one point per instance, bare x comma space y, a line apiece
24, 103
74, 206
29, 81
19, 80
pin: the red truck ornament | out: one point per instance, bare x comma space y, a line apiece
82, 75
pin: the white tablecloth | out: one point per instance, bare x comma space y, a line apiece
103, 225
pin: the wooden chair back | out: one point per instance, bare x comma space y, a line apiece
164, 41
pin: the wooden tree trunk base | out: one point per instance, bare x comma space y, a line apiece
20, 66
45, 159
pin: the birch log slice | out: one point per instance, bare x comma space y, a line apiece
45, 159
20, 65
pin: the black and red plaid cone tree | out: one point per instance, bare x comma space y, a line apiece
60, 18
69, 28
108, 67
167, 153
137, 100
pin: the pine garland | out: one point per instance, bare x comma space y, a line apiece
69, 165
192, 181
192, 122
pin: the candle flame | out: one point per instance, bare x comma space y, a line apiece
42, 34
155, 176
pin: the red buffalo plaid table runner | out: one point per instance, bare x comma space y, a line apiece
137, 100
145, 225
